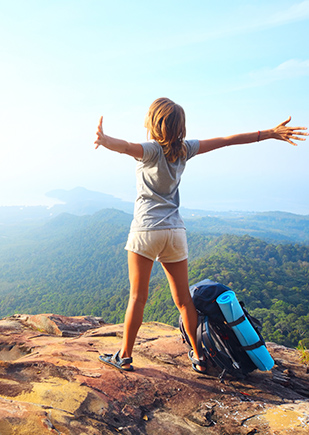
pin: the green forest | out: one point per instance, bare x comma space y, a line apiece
76, 265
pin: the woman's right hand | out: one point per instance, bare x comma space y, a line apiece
100, 135
121, 146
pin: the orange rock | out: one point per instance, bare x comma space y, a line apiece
51, 381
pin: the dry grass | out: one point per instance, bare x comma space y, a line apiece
304, 354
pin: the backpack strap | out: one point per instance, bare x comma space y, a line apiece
254, 322
237, 322
199, 339
206, 338
219, 356
253, 346
199, 336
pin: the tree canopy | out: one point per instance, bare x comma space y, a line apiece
77, 266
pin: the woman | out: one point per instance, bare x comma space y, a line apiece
157, 230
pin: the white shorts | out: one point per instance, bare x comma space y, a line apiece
166, 246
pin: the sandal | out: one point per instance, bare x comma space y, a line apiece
116, 361
197, 362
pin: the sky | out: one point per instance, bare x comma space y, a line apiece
234, 66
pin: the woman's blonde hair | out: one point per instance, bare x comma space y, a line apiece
166, 124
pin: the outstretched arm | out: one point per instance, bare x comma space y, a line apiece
281, 132
119, 145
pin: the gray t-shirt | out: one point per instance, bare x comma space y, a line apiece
157, 202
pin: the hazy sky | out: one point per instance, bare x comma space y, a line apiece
234, 66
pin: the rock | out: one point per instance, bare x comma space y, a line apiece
51, 382
59, 325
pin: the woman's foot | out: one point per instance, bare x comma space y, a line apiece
116, 361
198, 364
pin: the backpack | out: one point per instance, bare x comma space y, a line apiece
235, 345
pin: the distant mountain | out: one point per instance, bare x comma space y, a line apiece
270, 226
81, 201
78, 201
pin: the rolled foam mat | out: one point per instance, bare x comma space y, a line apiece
244, 331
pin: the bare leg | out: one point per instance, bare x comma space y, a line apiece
139, 276
177, 275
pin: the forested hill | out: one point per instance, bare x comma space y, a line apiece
77, 266
276, 227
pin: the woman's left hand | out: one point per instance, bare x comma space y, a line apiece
287, 133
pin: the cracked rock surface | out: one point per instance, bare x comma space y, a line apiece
52, 382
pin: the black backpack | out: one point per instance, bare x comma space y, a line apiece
215, 337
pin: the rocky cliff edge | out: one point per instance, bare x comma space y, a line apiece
51, 382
